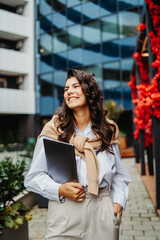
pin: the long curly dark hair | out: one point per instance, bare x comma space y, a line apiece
94, 98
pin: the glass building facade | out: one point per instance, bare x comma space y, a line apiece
98, 36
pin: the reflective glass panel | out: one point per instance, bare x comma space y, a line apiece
46, 78
73, 15
60, 78
126, 67
107, 7
110, 50
60, 61
59, 5
46, 88
127, 23
109, 27
45, 7
128, 46
92, 54
114, 94
90, 10
111, 75
97, 70
58, 96
127, 102
46, 105
124, 4
141, 2
91, 32
75, 57
74, 36
45, 24
59, 20
59, 41
71, 3
46, 64
45, 46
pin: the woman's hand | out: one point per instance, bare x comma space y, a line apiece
117, 209
72, 190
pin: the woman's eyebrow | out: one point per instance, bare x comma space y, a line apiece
72, 85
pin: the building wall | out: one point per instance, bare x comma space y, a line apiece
17, 56
98, 36
17, 86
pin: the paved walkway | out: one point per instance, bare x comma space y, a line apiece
140, 221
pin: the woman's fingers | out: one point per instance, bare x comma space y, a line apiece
118, 209
72, 191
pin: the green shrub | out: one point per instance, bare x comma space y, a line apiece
11, 184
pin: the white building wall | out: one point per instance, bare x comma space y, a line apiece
15, 101
13, 26
18, 63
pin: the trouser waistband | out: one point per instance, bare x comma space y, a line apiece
103, 192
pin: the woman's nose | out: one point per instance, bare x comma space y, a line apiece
70, 90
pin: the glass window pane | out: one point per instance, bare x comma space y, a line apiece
97, 70
73, 15
127, 23
74, 36
127, 102
75, 57
114, 94
59, 5
92, 54
124, 4
90, 11
46, 78
59, 20
46, 105
126, 67
45, 46
45, 7
128, 46
91, 32
71, 3
46, 88
46, 64
109, 27
141, 2
60, 78
107, 7
111, 75
59, 41
110, 50
45, 24
59, 61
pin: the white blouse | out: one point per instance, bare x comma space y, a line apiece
111, 172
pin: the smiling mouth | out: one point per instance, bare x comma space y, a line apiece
72, 98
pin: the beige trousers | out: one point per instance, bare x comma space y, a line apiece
92, 219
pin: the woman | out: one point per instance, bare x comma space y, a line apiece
91, 208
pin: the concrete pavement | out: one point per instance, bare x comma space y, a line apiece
139, 222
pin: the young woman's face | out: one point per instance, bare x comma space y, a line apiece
73, 94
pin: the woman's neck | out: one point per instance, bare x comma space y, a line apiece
82, 119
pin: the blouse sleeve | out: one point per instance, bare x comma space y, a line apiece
37, 180
120, 181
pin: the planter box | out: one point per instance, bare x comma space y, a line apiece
17, 234
42, 202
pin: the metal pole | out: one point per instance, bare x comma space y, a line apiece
142, 148
156, 134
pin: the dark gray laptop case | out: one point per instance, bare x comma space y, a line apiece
61, 161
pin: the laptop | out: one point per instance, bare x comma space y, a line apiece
61, 163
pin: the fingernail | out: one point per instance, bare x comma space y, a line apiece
115, 214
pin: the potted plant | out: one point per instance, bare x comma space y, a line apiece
123, 140
114, 111
13, 215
